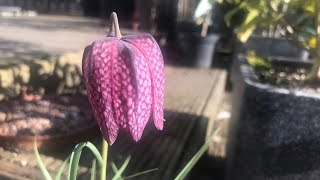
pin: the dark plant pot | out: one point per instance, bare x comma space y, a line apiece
275, 47
274, 132
197, 51
205, 48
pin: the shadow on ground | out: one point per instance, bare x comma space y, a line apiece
168, 150
52, 23
209, 168
13, 51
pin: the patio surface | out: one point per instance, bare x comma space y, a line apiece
192, 101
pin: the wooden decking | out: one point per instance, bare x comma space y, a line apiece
191, 101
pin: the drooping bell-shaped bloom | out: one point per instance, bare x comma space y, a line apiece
124, 78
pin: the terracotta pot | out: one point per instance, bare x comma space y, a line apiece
50, 141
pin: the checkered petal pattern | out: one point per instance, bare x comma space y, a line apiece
125, 84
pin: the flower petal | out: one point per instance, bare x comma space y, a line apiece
153, 56
143, 98
97, 72
124, 87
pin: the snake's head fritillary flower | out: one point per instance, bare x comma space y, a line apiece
124, 77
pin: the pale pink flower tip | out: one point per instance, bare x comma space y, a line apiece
124, 80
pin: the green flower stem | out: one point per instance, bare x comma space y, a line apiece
103, 172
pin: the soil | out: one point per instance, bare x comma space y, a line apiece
288, 77
51, 115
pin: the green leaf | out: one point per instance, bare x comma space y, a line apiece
232, 12
114, 168
195, 158
244, 34
139, 174
93, 170
42, 167
256, 61
307, 5
248, 26
74, 161
95, 152
253, 13
63, 165
311, 31
121, 170
75, 157
256, 5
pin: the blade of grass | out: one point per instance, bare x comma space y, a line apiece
95, 152
74, 161
75, 157
195, 158
139, 174
61, 168
42, 167
122, 168
114, 168
93, 170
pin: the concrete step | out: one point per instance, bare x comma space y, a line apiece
9, 11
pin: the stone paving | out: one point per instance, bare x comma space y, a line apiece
51, 34
44, 47
45, 41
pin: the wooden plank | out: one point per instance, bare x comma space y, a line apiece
175, 136
190, 95
26, 172
211, 111
10, 176
201, 104
214, 100
55, 164
166, 158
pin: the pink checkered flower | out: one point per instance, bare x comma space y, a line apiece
124, 77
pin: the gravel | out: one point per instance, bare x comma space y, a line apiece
50, 116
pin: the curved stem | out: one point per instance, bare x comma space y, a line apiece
103, 174
114, 25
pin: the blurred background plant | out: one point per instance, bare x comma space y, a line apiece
296, 20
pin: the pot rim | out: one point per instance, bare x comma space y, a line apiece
49, 137
250, 78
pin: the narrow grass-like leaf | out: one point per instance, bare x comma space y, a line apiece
93, 170
195, 158
75, 157
95, 152
121, 170
74, 161
114, 168
61, 168
42, 167
139, 173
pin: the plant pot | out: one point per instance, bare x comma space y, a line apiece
274, 47
49, 142
274, 132
54, 121
197, 51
